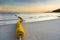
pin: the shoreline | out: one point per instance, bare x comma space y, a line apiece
39, 30
41, 21
43, 30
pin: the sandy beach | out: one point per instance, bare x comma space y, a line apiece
41, 30
44, 30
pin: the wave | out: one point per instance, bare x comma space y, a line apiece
7, 19
29, 17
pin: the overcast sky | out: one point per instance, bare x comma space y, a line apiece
29, 5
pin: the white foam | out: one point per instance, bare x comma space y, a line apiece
40, 19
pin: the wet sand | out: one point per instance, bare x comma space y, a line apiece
41, 30
44, 30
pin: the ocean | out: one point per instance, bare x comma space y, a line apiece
9, 17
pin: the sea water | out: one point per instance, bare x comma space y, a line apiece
9, 17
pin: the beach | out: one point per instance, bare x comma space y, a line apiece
29, 19
44, 30
40, 30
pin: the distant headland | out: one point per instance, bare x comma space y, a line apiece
57, 10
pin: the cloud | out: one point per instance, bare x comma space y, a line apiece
26, 1
29, 0
32, 4
20, 1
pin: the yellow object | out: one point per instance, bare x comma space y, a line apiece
19, 29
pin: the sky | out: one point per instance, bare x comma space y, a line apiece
29, 5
